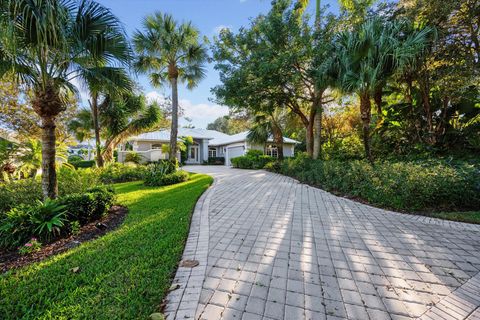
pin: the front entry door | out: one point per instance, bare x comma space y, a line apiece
193, 156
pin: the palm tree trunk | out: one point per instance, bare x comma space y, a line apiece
378, 97
174, 129
96, 127
317, 124
366, 115
49, 174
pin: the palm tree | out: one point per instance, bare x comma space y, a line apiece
367, 56
51, 43
170, 52
266, 125
126, 116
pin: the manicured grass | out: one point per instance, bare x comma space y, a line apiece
469, 216
123, 275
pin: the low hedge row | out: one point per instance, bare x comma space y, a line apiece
52, 219
253, 159
414, 186
164, 173
83, 163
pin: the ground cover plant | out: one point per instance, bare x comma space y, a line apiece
123, 275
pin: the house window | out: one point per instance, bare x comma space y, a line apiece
271, 151
212, 152
156, 146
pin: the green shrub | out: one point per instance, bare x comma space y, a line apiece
157, 170
216, 160
15, 227
88, 206
413, 185
15, 193
74, 158
80, 207
164, 173
253, 159
83, 164
117, 172
133, 157
175, 177
104, 198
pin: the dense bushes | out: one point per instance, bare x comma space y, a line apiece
413, 185
83, 163
51, 219
118, 172
253, 159
164, 173
216, 160
27, 191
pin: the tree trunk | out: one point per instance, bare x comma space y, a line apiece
377, 97
49, 173
96, 127
366, 115
309, 132
174, 129
278, 139
317, 124
425, 91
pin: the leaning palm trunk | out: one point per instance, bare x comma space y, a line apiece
366, 115
172, 153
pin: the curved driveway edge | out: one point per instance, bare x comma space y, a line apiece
183, 299
272, 248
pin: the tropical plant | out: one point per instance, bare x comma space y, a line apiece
47, 218
133, 157
30, 157
266, 126
127, 115
51, 43
366, 57
170, 52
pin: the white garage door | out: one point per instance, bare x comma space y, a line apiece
233, 152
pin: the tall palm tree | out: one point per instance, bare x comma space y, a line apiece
51, 43
170, 52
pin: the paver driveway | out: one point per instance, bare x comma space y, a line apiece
272, 248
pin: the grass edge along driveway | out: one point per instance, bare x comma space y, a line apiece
124, 274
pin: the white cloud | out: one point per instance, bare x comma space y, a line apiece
200, 113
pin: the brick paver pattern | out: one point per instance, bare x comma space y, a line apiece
278, 249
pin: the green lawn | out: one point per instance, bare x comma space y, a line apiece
123, 275
468, 216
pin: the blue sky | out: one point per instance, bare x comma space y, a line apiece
208, 16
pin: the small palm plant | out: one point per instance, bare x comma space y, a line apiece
47, 218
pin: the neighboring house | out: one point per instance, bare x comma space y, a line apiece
84, 150
206, 144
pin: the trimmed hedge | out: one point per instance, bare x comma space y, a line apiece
253, 159
118, 172
83, 164
415, 186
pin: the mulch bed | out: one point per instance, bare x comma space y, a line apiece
12, 259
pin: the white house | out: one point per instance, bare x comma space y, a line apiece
206, 144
